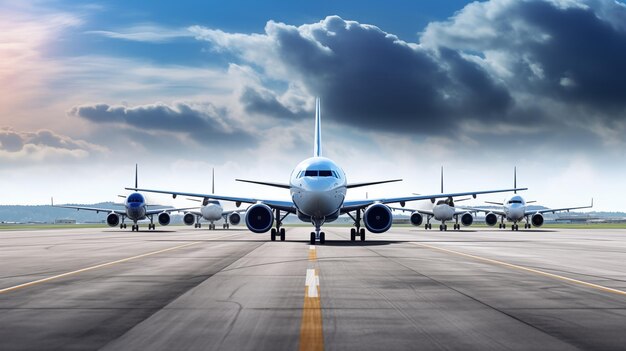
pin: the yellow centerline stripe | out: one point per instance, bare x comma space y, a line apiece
532, 270
39, 281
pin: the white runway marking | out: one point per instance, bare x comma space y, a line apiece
312, 282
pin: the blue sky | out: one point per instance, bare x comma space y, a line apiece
90, 89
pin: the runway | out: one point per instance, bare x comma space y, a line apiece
181, 288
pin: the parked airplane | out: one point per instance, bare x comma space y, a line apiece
318, 189
211, 211
442, 211
514, 209
135, 208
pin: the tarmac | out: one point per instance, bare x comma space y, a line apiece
180, 288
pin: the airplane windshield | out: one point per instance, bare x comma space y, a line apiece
135, 198
316, 173
515, 201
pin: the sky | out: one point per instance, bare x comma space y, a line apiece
88, 89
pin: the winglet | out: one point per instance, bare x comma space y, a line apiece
591, 202
317, 147
136, 186
515, 179
52, 201
212, 181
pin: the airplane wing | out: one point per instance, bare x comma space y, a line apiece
484, 210
548, 210
287, 206
349, 206
424, 212
96, 209
168, 210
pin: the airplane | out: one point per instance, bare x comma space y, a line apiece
318, 189
442, 211
211, 210
135, 209
514, 209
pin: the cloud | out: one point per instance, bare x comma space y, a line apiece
19, 146
148, 33
205, 123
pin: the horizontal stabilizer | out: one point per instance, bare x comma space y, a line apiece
276, 185
356, 185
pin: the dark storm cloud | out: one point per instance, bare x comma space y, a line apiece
266, 103
10, 141
371, 79
204, 124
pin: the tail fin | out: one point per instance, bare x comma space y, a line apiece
136, 186
442, 179
213, 181
515, 179
317, 148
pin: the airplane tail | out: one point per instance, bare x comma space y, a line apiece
317, 147
136, 186
515, 179
442, 179
212, 181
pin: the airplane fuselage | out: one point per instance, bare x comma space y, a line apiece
212, 211
443, 212
136, 207
514, 208
318, 188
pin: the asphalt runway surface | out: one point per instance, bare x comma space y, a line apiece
180, 288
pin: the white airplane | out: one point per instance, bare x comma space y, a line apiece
514, 210
211, 211
135, 209
318, 189
443, 210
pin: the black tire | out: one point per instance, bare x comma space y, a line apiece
273, 235
362, 235
441, 228
322, 238
352, 234
282, 234
312, 238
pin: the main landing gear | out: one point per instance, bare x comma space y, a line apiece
357, 230
278, 231
123, 226
428, 225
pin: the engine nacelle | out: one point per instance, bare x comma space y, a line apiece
378, 218
164, 218
234, 218
259, 218
491, 219
416, 219
113, 219
537, 220
467, 219
189, 218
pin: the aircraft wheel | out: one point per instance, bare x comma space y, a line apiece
322, 238
312, 238
440, 228
273, 235
352, 234
282, 234
430, 226
362, 234
227, 226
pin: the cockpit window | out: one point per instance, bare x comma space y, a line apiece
326, 174
310, 173
316, 173
135, 198
515, 201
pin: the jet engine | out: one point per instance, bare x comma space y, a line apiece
378, 218
467, 219
259, 218
416, 219
113, 219
189, 218
491, 219
537, 220
164, 218
234, 218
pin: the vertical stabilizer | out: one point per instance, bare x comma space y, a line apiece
317, 148
515, 179
136, 183
442, 179
212, 181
